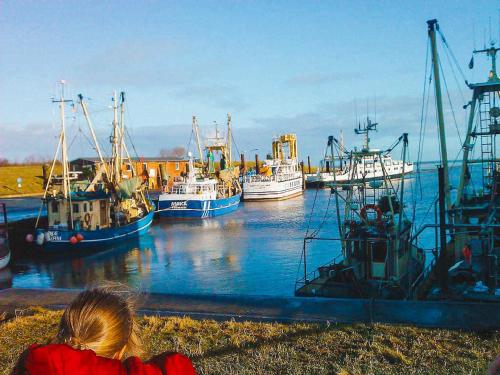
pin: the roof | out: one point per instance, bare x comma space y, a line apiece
141, 159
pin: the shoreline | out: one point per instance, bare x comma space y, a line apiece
467, 316
22, 195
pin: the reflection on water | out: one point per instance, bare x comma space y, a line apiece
255, 250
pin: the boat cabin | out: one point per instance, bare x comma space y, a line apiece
89, 211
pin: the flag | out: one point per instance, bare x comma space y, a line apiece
471, 62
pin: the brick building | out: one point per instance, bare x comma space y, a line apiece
147, 167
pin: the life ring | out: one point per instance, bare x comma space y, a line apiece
372, 207
87, 218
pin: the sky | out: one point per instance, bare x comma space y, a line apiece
307, 67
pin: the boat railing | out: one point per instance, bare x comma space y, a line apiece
272, 178
307, 278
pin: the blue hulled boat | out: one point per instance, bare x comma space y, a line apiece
84, 214
194, 197
176, 207
59, 239
203, 192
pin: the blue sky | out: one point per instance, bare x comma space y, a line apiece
283, 66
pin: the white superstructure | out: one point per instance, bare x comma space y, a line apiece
369, 168
280, 177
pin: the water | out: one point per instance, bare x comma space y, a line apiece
253, 251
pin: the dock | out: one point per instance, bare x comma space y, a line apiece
468, 316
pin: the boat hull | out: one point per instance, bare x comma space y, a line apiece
272, 190
4, 260
57, 240
324, 182
196, 209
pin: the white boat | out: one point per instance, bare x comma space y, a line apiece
368, 169
280, 177
372, 164
4, 238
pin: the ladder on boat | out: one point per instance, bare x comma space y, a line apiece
486, 134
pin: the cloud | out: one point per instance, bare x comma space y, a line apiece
18, 142
395, 116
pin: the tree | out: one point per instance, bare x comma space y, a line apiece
178, 152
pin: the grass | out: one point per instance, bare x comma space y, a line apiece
32, 179
264, 348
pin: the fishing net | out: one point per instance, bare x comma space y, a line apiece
127, 187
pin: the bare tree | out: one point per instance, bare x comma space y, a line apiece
178, 152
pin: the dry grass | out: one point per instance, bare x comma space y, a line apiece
31, 175
262, 348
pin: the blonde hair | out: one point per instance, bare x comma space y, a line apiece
101, 319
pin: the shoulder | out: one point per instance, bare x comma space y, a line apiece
166, 363
55, 359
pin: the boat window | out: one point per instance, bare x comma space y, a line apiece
129, 167
85, 207
76, 208
177, 166
91, 206
379, 250
55, 206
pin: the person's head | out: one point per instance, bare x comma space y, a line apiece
101, 319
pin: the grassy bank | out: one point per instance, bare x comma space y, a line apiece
263, 348
31, 175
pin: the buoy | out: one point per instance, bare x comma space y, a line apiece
29, 238
40, 238
73, 240
79, 237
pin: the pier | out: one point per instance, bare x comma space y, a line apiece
430, 314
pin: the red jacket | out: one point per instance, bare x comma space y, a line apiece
59, 359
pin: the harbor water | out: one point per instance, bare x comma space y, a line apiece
253, 251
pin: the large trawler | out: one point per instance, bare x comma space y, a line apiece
467, 263
369, 167
97, 213
280, 177
204, 192
375, 257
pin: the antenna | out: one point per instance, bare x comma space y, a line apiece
473, 35
367, 107
356, 110
489, 26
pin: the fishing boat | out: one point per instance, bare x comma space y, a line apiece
466, 266
4, 238
373, 166
375, 257
90, 214
280, 177
204, 192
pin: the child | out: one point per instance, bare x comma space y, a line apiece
97, 331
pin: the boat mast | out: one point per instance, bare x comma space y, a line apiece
197, 135
121, 145
432, 27
64, 149
94, 138
115, 154
229, 139
64, 153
